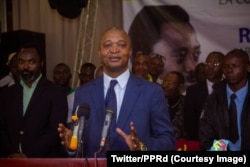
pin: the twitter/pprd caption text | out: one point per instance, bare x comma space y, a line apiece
174, 158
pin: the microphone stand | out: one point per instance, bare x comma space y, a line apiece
79, 153
95, 156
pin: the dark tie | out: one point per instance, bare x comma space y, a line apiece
233, 120
110, 102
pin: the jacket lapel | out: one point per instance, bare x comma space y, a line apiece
129, 100
36, 94
98, 98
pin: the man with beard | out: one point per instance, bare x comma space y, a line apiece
31, 110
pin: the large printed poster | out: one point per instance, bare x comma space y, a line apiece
186, 31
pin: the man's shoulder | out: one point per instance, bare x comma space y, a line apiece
144, 84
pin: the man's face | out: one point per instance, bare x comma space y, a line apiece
171, 85
156, 65
213, 68
181, 49
30, 64
200, 72
235, 70
62, 75
141, 65
86, 75
115, 51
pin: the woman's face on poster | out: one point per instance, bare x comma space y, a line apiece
179, 45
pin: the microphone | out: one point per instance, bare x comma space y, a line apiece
73, 141
106, 126
81, 114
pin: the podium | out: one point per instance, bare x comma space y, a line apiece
53, 162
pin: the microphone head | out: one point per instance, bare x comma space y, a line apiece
83, 110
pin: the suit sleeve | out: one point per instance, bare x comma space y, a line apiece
161, 125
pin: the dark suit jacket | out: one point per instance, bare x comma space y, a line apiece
195, 98
143, 103
37, 129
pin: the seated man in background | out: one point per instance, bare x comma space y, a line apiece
225, 117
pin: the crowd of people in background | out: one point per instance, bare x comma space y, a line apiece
154, 108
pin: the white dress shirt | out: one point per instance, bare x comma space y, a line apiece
120, 87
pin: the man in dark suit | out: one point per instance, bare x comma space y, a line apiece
220, 129
142, 121
31, 110
196, 95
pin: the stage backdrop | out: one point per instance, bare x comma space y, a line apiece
220, 25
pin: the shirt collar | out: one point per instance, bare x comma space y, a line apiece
241, 93
121, 79
209, 83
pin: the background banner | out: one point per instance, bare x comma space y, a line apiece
218, 25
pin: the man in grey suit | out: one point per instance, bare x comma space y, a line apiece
142, 121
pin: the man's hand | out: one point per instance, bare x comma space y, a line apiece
65, 134
131, 139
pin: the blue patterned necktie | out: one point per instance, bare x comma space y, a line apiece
110, 102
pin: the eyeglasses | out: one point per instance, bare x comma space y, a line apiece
209, 64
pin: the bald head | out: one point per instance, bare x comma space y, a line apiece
113, 30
